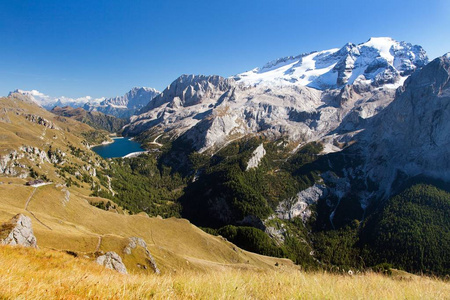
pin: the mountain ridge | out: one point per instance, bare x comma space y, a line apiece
337, 67
208, 110
95, 119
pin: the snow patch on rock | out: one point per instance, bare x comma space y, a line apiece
379, 60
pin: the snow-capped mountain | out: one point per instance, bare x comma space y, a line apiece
304, 98
126, 105
49, 102
378, 61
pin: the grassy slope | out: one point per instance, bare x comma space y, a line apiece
18, 131
21, 131
95, 119
45, 274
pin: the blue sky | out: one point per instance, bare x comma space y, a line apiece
104, 48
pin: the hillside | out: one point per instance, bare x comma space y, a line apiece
68, 222
94, 119
37, 143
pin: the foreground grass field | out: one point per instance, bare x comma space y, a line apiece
44, 274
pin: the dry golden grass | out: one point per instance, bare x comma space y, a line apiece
20, 131
39, 274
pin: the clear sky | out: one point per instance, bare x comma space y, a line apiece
105, 47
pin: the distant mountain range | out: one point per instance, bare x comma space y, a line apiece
48, 102
120, 106
124, 106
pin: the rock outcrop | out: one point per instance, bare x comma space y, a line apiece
18, 231
298, 206
111, 260
15, 162
256, 158
138, 242
40, 121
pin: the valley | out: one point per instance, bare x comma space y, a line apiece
331, 166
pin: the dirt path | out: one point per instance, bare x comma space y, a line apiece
155, 141
29, 198
99, 243
26, 208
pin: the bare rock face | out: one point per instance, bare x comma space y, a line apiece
256, 158
111, 260
411, 137
18, 231
408, 138
304, 98
40, 121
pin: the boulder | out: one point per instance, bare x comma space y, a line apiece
111, 260
18, 231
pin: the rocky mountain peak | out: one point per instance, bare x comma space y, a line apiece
188, 90
126, 105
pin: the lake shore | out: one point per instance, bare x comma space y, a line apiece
102, 144
119, 147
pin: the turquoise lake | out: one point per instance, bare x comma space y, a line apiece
120, 148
